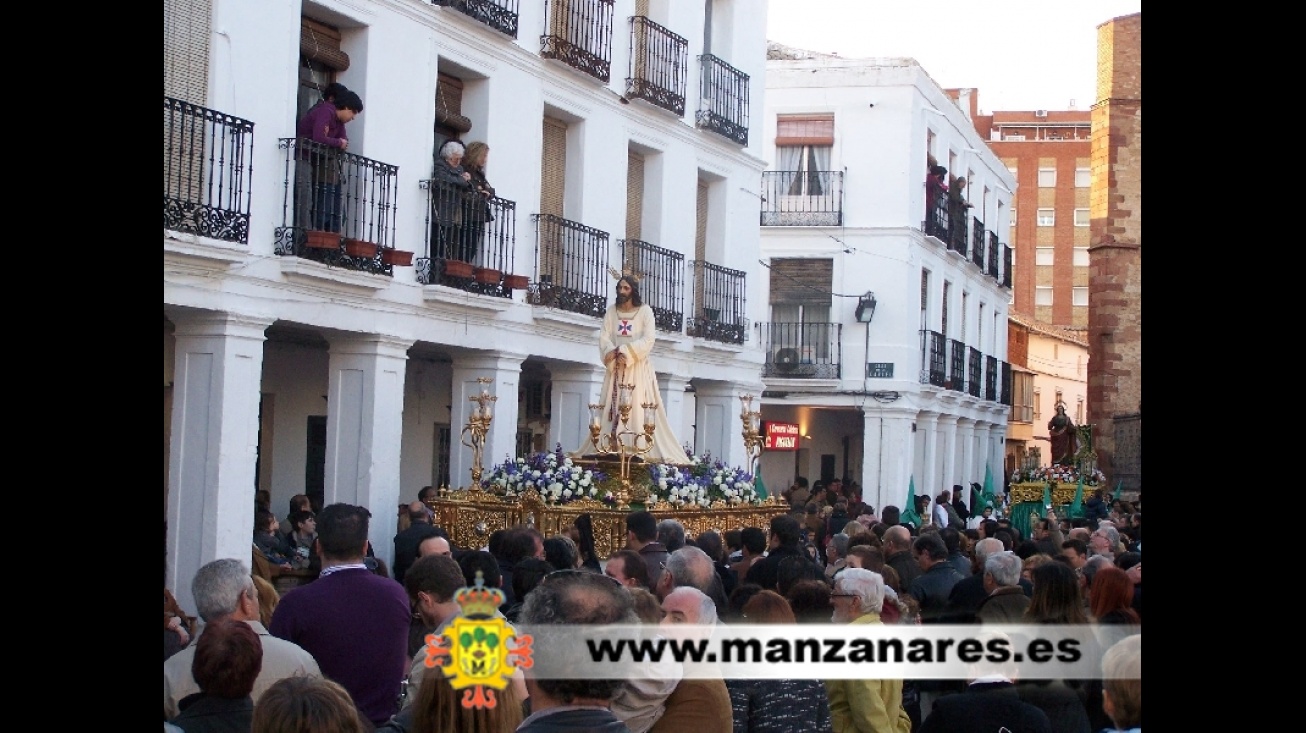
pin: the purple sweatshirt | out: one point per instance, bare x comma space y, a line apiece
322, 126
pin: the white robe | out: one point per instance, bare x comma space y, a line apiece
632, 334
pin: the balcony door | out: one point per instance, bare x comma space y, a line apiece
803, 148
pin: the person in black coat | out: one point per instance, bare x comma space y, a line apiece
983, 707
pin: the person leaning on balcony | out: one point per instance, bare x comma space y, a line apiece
452, 184
957, 206
325, 125
478, 206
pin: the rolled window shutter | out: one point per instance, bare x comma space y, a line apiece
320, 44
801, 281
449, 104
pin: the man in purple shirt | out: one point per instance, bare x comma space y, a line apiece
353, 622
319, 164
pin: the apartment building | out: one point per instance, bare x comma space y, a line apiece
885, 325
325, 332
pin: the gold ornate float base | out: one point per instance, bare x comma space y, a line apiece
1061, 493
470, 516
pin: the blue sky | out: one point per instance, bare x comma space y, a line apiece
1020, 54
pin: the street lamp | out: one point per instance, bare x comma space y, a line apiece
866, 307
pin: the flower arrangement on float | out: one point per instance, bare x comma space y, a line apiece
1057, 473
551, 473
700, 483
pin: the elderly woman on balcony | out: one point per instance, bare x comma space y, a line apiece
450, 188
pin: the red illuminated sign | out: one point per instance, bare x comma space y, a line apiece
781, 435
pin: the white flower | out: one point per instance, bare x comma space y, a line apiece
567, 493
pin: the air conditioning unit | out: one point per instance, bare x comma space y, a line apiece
786, 359
1040, 113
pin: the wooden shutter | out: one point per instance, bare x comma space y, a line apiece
802, 280
553, 179
449, 119
700, 246
804, 130
634, 195
320, 44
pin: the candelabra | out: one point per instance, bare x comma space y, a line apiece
477, 426
753, 438
614, 443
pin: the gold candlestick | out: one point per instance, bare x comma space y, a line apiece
613, 443
478, 425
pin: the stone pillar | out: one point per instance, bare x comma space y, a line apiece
951, 450
888, 445
501, 441
365, 405
967, 473
928, 422
984, 454
573, 388
216, 378
719, 430
671, 393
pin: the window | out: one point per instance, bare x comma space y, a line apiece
320, 58
1083, 178
1079, 410
1047, 217
803, 146
1079, 296
800, 306
1081, 217
1023, 405
1043, 256
1013, 217
1081, 257
1014, 138
1043, 295
1047, 177
1038, 412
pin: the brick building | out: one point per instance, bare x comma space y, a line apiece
1115, 279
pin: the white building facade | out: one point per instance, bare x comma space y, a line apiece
884, 344
299, 359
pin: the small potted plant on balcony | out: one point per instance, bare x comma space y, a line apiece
516, 282
360, 248
396, 257
486, 276
457, 268
320, 239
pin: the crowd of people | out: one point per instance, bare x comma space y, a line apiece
345, 652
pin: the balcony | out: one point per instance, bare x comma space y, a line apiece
470, 240
958, 234
1006, 266
662, 281
993, 256
957, 367
976, 368
340, 198
802, 198
571, 270
659, 60
580, 36
991, 378
802, 350
936, 221
723, 99
718, 304
501, 15
934, 348
206, 173
977, 243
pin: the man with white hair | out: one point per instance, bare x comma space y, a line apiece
696, 704
671, 533
866, 704
224, 589
1006, 603
690, 566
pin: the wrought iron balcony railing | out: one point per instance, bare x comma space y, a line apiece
802, 198
1007, 384
976, 368
991, 378
470, 240
977, 243
957, 367
718, 304
206, 171
802, 350
659, 62
1006, 265
331, 192
571, 266
993, 256
662, 280
501, 15
934, 358
936, 220
579, 34
723, 99
959, 234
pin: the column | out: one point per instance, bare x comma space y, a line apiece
365, 404
928, 422
951, 449
887, 447
967, 473
983, 454
574, 387
671, 393
501, 441
218, 368
996, 451
720, 431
